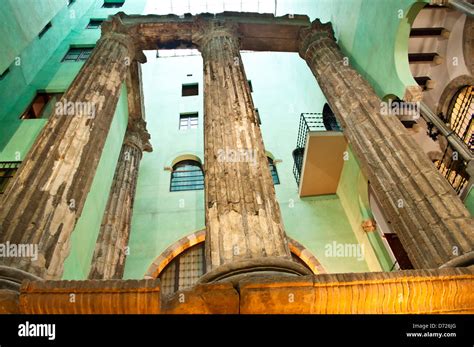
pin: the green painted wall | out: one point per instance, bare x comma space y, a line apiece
21, 22
283, 89
367, 32
85, 233
40, 69
353, 194
470, 201
370, 32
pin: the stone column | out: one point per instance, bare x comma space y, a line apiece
430, 220
46, 198
108, 261
245, 233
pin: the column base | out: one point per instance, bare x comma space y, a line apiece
262, 267
10, 284
465, 260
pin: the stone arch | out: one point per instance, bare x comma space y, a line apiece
185, 156
160, 263
402, 65
173, 251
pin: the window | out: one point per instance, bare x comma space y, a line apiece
44, 30
273, 170
7, 171
94, 24
460, 115
188, 121
187, 175
113, 4
42, 103
190, 89
250, 86
184, 270
2, 76
78, 54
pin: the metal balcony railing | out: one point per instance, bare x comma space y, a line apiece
310, 122
458, 152
453, 167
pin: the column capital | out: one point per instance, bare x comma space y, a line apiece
116, 30
137, 135
312, 34
204, 30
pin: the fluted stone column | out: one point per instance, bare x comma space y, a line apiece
46, 198
108, 261
244, 229
432, 223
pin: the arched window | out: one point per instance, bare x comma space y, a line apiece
187, 267
184, 270
460, 115
187, 175
273, 170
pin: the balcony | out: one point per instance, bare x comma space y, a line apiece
319, 154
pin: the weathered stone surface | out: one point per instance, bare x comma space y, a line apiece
400, 173
91, 297
9, 301
46, 197
243, 219
418, 291
108, 261
261, 32
212, 298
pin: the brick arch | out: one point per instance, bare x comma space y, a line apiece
183, 157
173, 251
160, 263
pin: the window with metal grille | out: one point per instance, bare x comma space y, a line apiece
44, 30
187, 175
460, 115
7, 171
190, 89
78, 54
94, 24
273, 170
188, 121
41, 106
113, 4
184, 270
